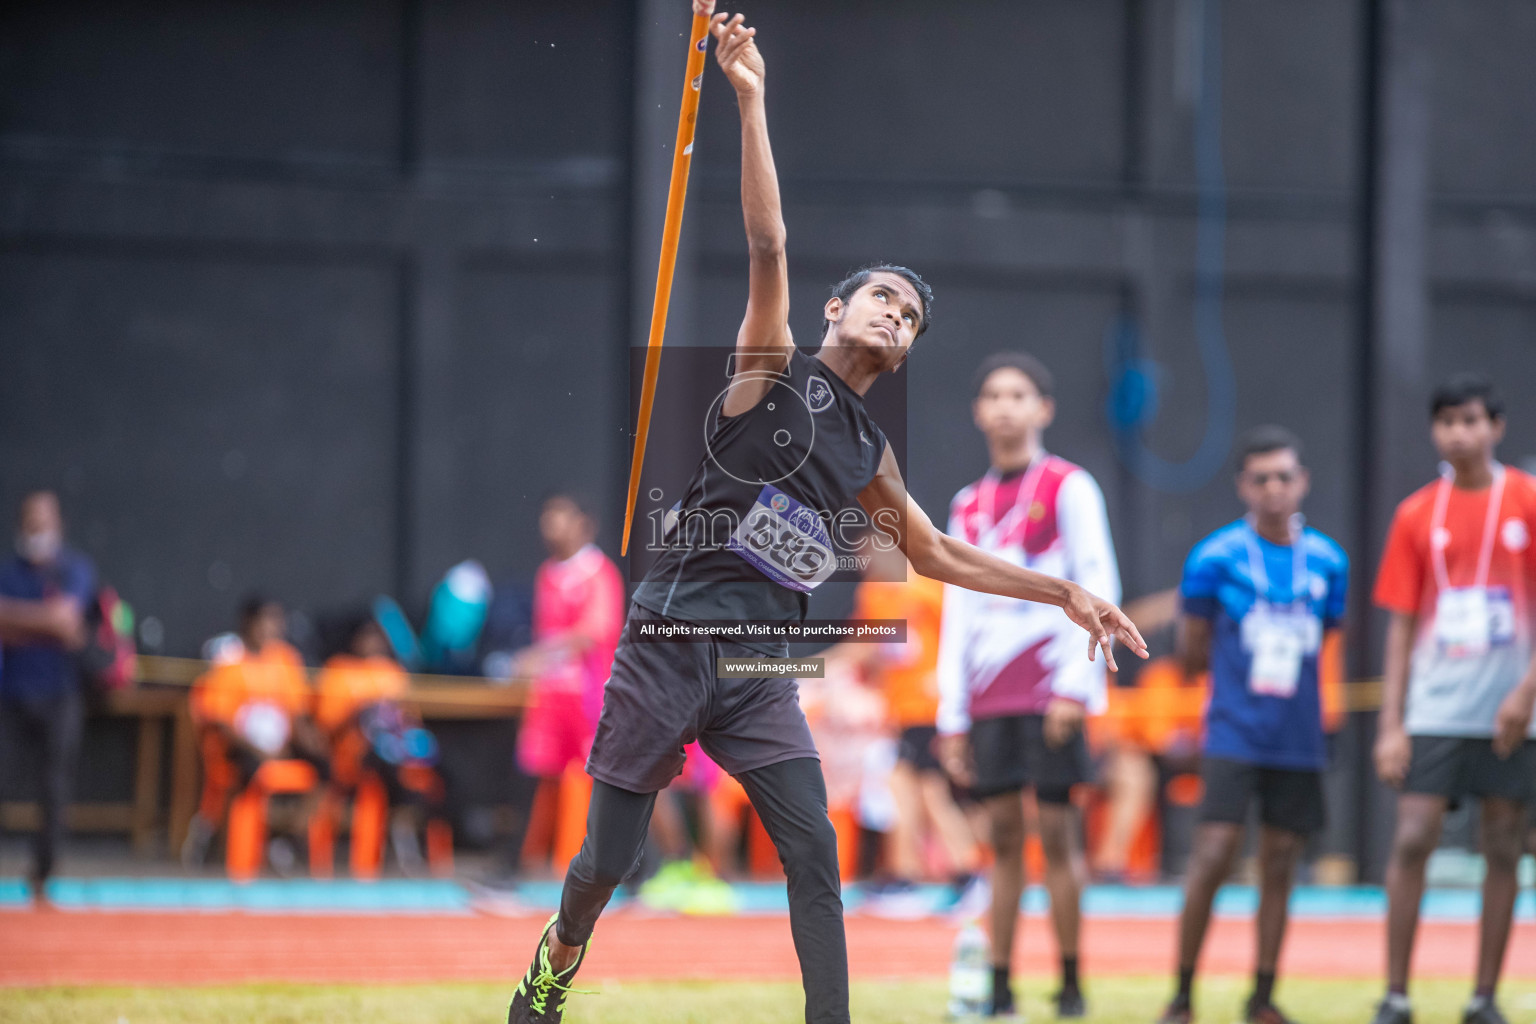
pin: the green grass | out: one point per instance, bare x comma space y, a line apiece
1135, 1000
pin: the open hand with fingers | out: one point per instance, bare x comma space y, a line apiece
737, 54
1105, 624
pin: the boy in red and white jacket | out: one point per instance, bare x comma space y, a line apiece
1013, 684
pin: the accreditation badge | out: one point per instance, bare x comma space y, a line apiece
1278, 640
1470, 620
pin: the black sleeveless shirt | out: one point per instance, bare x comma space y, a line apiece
753, 535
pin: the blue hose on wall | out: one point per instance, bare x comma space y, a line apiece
1134, 391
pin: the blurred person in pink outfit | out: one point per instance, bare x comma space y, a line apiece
578, 614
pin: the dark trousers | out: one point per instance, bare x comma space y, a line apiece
791, 799
42, 738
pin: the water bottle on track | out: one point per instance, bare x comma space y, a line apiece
970, 974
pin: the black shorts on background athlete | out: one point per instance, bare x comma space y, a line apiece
915, 747
1288, 799
1459, 766
1010, 752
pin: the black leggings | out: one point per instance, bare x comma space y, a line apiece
791, 799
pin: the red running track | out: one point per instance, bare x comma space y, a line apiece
96, 948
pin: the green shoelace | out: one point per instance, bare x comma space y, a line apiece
546, 981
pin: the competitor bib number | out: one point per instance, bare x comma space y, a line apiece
785, 541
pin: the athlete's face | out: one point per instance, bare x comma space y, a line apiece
565, 528
883, 316
1009, 407
1465, 434
1273, 484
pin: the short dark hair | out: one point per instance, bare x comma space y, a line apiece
252, 605
1263, 440
1025, 363
845, 288
1464, 388
578, 500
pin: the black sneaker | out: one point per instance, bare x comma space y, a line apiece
1002, 1004
1482, 1010
1177, 1013
1070, 1004
540, 996
1264, 1013
1393, 1011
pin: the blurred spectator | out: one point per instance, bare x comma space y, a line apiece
44, 591
924, 807
578, 614
357, 704
846, 718
253, 705
1151, 731
456, 615
508, 627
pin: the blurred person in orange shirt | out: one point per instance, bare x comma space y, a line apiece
1152, 729
357, 704
907, 673
254, 704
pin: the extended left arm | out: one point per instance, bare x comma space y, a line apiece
949, 560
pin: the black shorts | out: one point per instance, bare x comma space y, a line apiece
1010, 753
1288, 799
915, 747
663, 696
1458, 766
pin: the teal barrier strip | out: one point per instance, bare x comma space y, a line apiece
400, 896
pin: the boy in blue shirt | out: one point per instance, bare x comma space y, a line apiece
1258, 594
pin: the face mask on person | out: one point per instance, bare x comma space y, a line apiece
41, 547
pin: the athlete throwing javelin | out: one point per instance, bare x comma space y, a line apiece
663, 695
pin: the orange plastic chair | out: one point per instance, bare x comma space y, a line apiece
370, 823
246, 842
557, 821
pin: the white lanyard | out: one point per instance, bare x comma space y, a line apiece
1437, 527
987, 498
1300, 591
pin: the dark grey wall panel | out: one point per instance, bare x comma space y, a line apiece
536, 401
1288, 99
269, 80
215, 425
1025, 90
1483, 117
523, 82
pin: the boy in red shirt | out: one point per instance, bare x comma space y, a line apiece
1458, 576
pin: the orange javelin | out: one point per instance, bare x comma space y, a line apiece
682, 157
